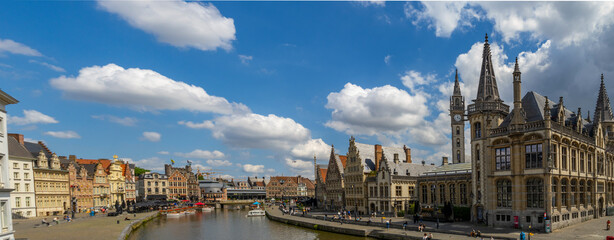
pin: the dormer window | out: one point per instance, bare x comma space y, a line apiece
407, 172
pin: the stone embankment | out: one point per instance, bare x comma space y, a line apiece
362, 229
128, 230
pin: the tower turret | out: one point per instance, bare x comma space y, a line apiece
457, 115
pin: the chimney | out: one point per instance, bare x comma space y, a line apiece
423, 162
407, 154
444, 161
17, 136
72, 158
378, 155
396, 158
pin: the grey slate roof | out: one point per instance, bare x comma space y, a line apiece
367, 153
339, 164
450, 169
91, 169
16, 149
409, 169
35, 148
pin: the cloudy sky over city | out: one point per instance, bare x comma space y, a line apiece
258, 88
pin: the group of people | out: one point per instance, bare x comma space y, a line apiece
475, 233
55, 220
427, 237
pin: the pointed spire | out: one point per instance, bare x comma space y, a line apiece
457, 91
516, 68
588, 115
547, 115
603, 110
487, 88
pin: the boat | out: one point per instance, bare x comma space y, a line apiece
256, 213
190, 212
175, 214
208, 209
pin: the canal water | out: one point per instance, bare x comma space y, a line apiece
226, 224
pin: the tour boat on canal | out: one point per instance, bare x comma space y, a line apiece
208, 209
175, 214
256, 213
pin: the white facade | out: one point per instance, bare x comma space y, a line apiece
6, 223
22, 179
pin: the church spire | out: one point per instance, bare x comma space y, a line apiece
603, 110
457, 91
487, 88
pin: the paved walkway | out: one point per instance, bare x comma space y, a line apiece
593, 229
83, 226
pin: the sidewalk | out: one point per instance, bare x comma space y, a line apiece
83, 226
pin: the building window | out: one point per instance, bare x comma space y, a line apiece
442, 194
452, 193
564, 158
458, 142
589, 190
15, 175
457, 130
25, 166
582, 195
458, 156
433, 194
581, 161
589, 163
15, 165
424, 194
16, 187
553, 152
564, 192
477, 129
18, 202
573, 160
554, 191
398, 191
504, 193
463, 193
533, 156
502, 158
535, 193
574, 187
28, 203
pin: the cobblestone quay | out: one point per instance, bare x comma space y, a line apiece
83, 226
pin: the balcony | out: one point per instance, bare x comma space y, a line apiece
488, 106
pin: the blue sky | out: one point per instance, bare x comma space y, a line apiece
258, 88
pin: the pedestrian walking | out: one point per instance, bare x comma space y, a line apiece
388, 224
430, 236
437, 223
404, 225
425, 237
608, 227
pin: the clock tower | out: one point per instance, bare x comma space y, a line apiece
457, 115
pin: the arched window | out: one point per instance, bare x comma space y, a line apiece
457, 101
564, 192
504, 193
555, 184
458, 142
589, 191
477, 152
458, 156
433, 194
573, 192
457, 130
535, 193
442, 194
582, 195
424, 194
452, 193
463, 193
477, 128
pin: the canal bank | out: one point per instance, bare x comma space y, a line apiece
134, 225
378, 230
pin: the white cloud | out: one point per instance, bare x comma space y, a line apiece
179, 23
190, 124
444, 17
300, 167
10, 46
31, 117
126, 121
412, 79
48, 65
219, 163
387, 59
151, 136
310, 148
259, 131
197, 153
377, 3
163, 153
152, 163
142, 89
245, 59
63, 134
249, 168
377, 110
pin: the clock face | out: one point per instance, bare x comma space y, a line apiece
457, 117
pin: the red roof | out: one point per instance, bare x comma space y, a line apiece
323, 172
105, 162
344, 160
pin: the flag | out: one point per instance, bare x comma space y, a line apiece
189, 162
172, 161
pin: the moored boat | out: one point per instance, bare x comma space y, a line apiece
256, 213
175, 214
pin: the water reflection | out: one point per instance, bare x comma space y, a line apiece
223, 224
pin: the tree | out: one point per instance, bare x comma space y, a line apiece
200, 177
138, 171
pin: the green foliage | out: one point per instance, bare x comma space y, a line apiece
200, 177
463, 213
138, 171
411, 210
401, 213
315, 227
